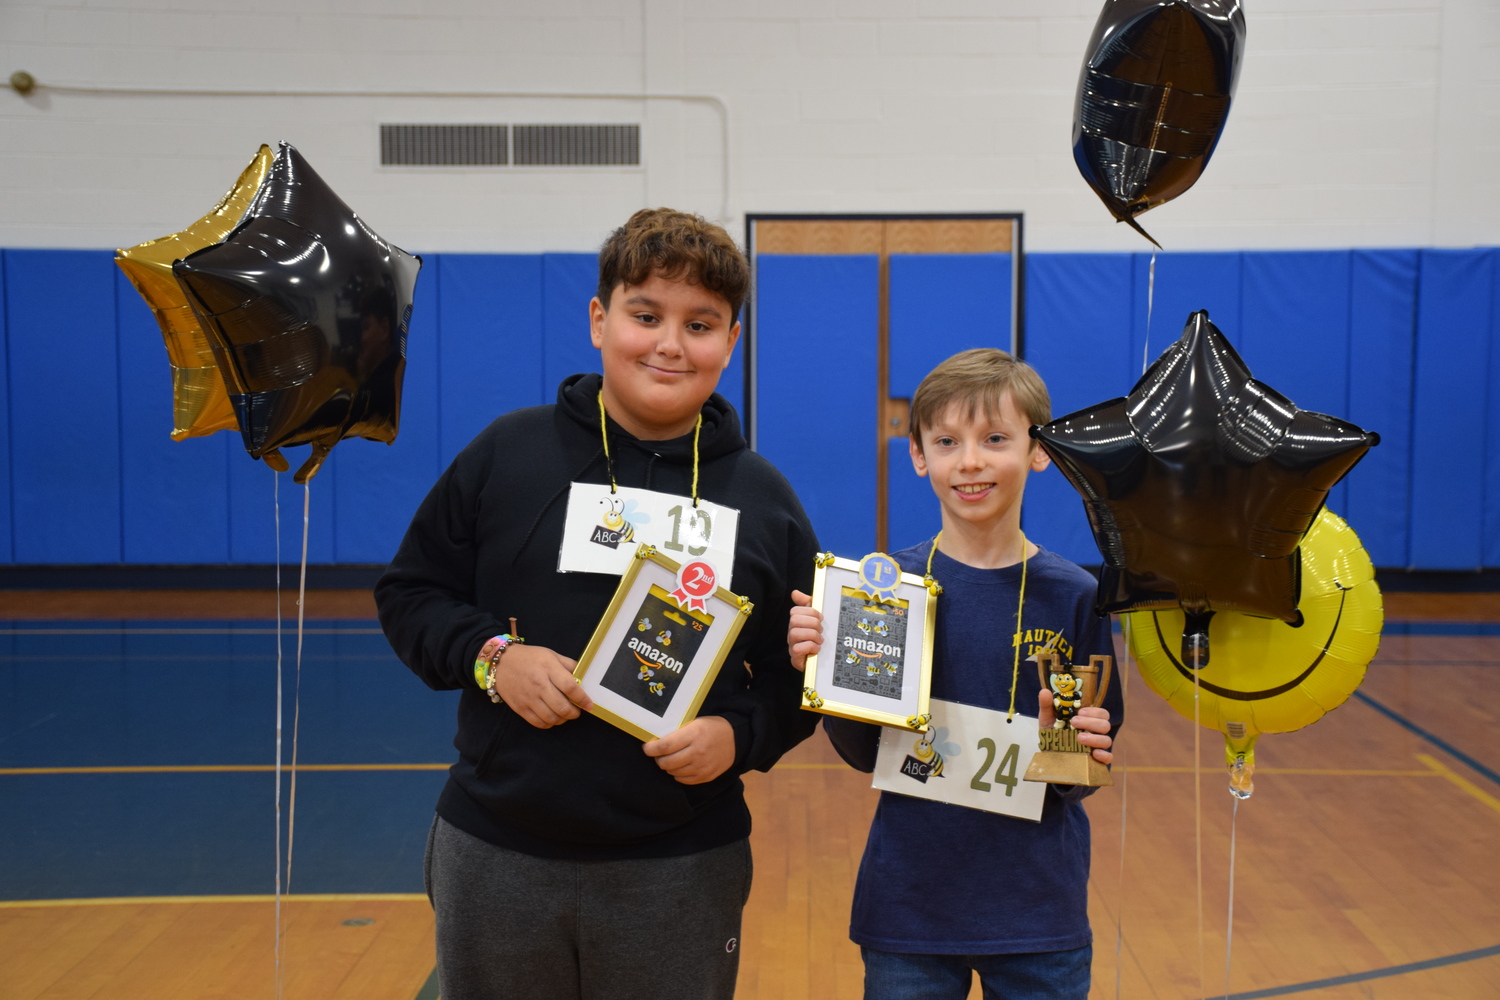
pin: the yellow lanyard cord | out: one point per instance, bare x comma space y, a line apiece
696, 428
609, 462
1015, 673
935, 539
604, 433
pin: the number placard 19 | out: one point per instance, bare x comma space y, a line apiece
970, 757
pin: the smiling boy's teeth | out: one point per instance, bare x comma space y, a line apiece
974, 487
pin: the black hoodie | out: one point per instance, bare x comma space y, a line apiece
484, 547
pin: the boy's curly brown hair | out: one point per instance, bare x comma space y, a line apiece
676, 246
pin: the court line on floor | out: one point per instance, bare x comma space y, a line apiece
1334, 772
1463, 783
429, 990
311, 897
216, 768
1436, 741
1361, 977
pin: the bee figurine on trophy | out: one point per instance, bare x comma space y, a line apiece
1061, 759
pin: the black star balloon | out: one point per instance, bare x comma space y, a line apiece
307, 311
1200, 484
1153, 97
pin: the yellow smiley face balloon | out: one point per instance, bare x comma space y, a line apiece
200, 403
1266, 676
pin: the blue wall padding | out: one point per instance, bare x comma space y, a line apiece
912, 511
1294, 330
1492, 440
941, 304
490, 348
64, 406
1078, 308
380, 485
1382, 337
569, 281
254, 492
815, 316
1396, 340
1449, 408
1185, 283
7, 553
174, 495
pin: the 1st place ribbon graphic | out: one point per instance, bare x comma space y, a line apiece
879, 576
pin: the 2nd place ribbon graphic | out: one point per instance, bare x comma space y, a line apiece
696, 581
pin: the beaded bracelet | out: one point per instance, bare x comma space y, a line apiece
489, 658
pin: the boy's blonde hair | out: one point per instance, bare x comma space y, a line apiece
676, 246
979, 377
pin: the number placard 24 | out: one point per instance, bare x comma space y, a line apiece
970, 757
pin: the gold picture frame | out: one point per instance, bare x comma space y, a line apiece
660, 645
869, 669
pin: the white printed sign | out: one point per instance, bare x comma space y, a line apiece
969, 757
603, 528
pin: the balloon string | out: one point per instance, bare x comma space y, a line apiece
276, 516
291, 812
1229, 933
1150, 302
1124, 777
1197, 808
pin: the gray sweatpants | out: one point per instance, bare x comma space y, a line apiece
513, 926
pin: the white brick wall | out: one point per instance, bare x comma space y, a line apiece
1359, 122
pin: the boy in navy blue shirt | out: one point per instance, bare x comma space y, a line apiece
944, 890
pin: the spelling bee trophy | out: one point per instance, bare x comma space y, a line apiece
1061, 759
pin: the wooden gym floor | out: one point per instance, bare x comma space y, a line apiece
136, 825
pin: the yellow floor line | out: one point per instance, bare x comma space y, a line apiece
217, 768
1440, 769
1185, 769
1329, 772
311, 897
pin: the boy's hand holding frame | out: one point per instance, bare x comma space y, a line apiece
538, 685
880, 667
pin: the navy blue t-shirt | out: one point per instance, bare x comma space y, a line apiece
941, 879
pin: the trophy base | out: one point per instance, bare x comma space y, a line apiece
1068, 767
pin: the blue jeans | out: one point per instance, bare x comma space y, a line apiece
1050, 975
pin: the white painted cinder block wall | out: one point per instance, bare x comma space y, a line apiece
1358, 122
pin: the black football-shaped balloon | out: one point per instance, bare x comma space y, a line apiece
1153, 97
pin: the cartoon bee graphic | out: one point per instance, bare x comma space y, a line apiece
623, 516
891, 669
646, 673
851, 657
927, 754
863, 625
1067, 697
656, 688
881, 628
872, 669
664, 637
930, 748
644, 625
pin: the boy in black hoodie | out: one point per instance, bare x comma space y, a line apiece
568, 859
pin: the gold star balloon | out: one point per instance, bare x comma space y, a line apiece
200, 403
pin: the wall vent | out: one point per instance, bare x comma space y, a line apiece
444, 145
577, 145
